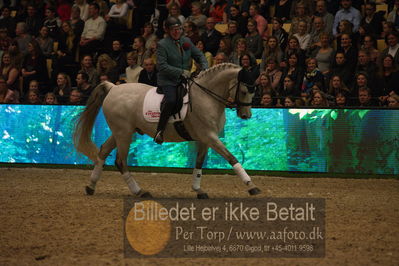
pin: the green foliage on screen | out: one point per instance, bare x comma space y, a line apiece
311, 140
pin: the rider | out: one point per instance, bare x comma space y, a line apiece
174, 55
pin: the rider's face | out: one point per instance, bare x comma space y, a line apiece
175, 32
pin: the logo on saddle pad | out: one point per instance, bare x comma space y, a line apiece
152, 115
152, 107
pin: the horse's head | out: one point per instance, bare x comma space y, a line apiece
245, 92
233, 92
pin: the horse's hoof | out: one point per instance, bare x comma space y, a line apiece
145, 194
254, 191
89, 191
202, 196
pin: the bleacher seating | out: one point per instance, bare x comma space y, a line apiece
221, 27
381, 45
129, 23
287, 27
382, 7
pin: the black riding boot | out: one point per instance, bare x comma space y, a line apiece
163, 121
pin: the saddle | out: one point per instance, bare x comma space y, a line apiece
181, 91
153, 101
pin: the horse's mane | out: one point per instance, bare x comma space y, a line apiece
216, 68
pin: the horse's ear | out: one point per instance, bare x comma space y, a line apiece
240, 75
243, 76
249, 77
255, 72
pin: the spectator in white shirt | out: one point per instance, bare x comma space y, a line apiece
117, 15
134, 69
302, 35
392, 41
84, 9
93, 31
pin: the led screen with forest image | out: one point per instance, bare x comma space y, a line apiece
306, 140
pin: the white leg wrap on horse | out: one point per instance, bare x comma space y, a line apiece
241, 173
197, 175
96, 173
131, 183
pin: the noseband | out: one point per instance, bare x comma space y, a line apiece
237, 102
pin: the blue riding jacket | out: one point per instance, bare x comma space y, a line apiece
172, 59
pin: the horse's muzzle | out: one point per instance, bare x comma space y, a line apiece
245, 116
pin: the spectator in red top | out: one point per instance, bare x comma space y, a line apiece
64, 10
261, 21
216, 11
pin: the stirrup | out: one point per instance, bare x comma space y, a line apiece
159, 137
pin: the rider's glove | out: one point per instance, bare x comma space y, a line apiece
186, 74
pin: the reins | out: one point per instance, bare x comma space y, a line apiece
217, 97
236, 104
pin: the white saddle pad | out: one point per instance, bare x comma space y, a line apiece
152, 107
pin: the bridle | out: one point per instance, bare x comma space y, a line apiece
237, 102
251, 89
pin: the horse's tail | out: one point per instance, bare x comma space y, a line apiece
85, 122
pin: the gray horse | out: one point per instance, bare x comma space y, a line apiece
122, 105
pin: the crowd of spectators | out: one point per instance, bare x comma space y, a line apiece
319, 53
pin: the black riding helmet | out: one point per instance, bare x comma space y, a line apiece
172, 22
